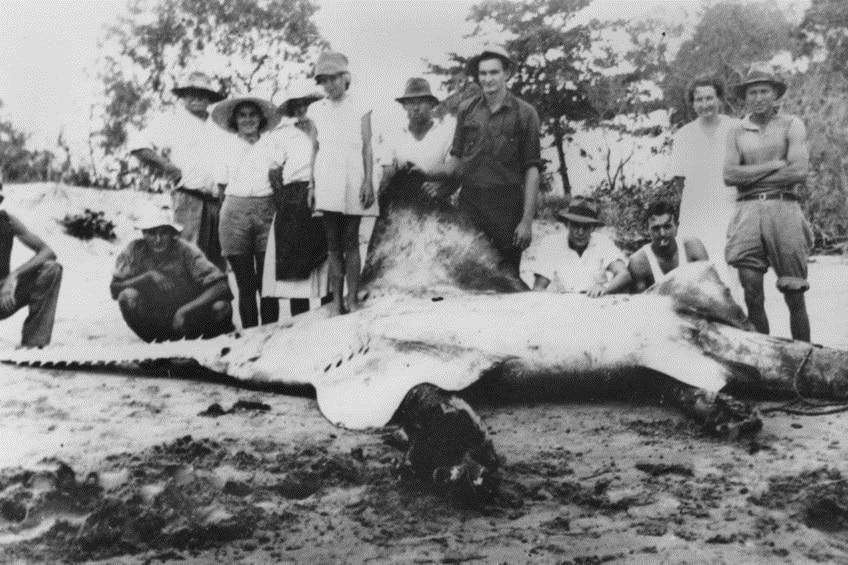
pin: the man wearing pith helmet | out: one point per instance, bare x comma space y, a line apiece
497, 155
187, 147
767, 160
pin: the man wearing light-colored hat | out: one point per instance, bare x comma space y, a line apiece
165, 286
580, 259
767, 161
186, 146
498, 157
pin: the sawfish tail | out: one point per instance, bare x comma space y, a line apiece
779, 365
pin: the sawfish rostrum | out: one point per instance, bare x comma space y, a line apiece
440, 312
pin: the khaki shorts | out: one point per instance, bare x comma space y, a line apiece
245, 223
772, 233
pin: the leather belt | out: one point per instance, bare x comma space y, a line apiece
768, 196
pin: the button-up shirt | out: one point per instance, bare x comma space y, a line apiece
192, 144
496, 149
570, 272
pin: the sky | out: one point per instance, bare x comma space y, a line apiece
48, 50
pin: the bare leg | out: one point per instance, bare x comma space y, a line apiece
799, 321
353, 262
333, 231
752, 284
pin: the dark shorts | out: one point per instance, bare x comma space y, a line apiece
245, 224
772, 233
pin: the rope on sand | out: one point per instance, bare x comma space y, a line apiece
802, 406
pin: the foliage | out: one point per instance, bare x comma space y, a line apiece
625, 208
825, 29
18, 163
245, 45
729, 37
88, 225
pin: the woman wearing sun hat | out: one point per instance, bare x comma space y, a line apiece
296, 266
342, 173
248, 206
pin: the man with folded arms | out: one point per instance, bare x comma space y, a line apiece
766, 160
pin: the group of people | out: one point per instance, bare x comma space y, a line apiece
279, 192
739, 209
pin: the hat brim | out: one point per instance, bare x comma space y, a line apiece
176, 227
578, 219
474, 62
306, 99
740, 89
224, 110
213, 96
401, 99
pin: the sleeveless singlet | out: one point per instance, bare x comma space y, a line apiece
656, 271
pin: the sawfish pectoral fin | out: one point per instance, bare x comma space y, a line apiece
687, 365
367, 395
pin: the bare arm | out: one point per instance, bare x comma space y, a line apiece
640, 272
797, 155
366, 193
737, 174
42, 251
524, 232
215, 292
621, 279
540, 282
695, 249
115, 287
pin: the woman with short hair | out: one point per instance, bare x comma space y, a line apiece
248, 207
342, 173
697, 165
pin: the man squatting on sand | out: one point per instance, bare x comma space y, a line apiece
35, 283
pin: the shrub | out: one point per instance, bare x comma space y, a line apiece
88, 225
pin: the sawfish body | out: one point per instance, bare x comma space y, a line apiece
439, 311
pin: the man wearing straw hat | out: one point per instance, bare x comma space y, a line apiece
581, 259
767, 160
185, 146
497, 146
166, 287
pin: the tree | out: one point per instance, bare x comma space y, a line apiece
18, 163
246, 45
545, 49
729, 37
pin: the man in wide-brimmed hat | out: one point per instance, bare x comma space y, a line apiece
666, 251
766, 160
186, 146
498, 155
166, 287
34, 283
581, 259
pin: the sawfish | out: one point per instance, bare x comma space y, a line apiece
440, 312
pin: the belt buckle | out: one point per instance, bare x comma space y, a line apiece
762, 196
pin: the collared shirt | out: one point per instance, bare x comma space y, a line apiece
425, 153
183, 263
496, 149
192, 144
246, 167
757, 144
570, 272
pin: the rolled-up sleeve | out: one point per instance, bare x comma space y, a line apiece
531, 147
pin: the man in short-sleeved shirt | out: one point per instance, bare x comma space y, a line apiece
497, 146
189, 148
166, 287
581, 259
766, 158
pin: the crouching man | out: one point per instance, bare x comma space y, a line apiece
166, 287
35, 283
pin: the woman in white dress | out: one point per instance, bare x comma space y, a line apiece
342, 174
697, 161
